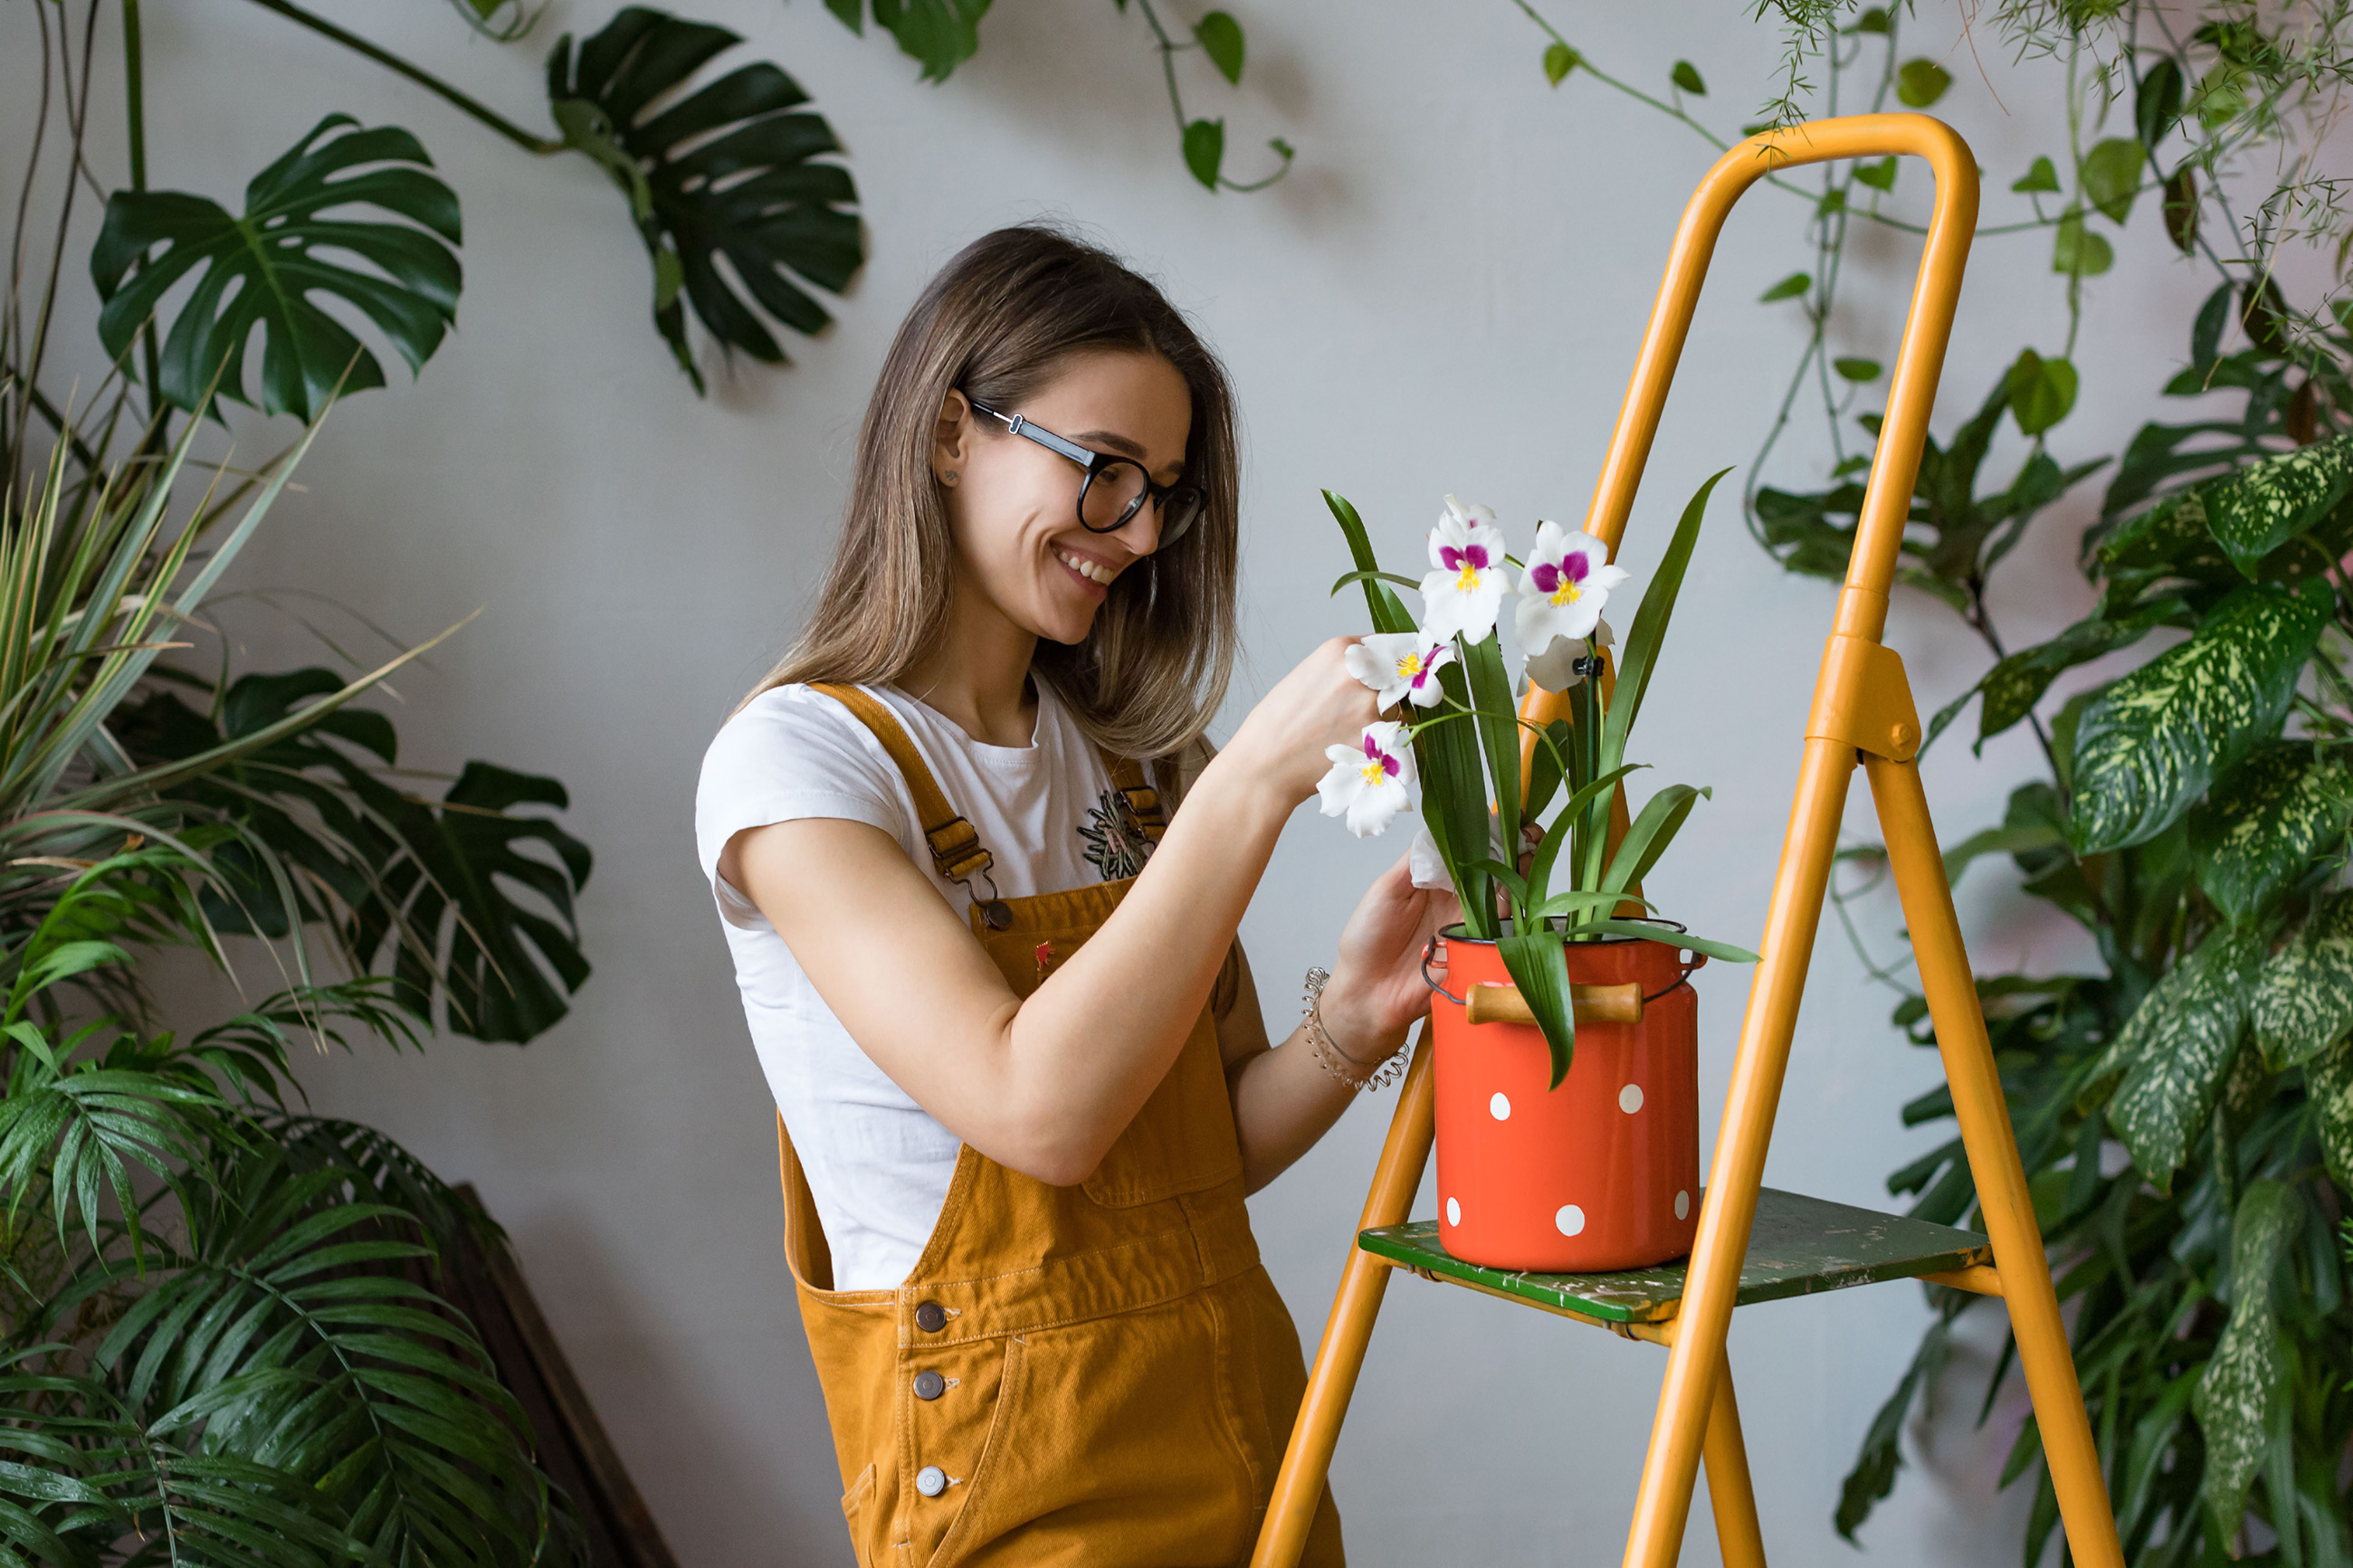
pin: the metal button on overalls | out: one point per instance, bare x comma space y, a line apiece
931, 1317
930, 1384
931, 1480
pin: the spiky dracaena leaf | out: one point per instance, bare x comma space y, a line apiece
2155, 741
2304, 996
2173, 1051
2264, 825
2239, 1390
2256, 510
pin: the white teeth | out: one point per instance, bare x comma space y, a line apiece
1089, 570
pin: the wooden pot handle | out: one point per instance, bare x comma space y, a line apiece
1594, 1004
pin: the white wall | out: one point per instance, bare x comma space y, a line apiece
1444, 296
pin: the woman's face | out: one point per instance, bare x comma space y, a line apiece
1013, 504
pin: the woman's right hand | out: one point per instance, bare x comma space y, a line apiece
1319, 704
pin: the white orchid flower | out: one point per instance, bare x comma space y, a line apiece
1567, 581
1554, 668
1370, 782
1463, 596
1402, 666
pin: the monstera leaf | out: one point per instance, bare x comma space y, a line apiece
324, 838
724, 171
259, 271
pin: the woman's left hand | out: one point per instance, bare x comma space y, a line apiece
1376, 990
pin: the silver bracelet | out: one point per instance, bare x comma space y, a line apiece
1329, 1055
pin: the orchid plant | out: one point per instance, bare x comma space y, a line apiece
1452, 750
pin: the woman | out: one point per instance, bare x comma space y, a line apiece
1022, 1078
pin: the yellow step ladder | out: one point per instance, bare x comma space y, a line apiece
1753, 1244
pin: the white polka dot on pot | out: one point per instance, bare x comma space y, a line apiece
1630, 1098
1682, 1206
1453, 1212
1499, 1107
1570, 1219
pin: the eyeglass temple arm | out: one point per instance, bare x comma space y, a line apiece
1015, 425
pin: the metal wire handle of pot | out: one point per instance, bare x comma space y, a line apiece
1429, 950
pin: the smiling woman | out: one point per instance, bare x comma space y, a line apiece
1022, 1081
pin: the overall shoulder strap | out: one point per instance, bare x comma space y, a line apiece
957, 850
1143, 800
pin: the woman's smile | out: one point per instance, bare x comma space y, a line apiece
1088, 568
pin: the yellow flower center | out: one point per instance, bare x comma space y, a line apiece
1410, 666
1467, 580
1375, 772
1568, 592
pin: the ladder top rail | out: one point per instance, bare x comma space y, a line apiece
1887, 498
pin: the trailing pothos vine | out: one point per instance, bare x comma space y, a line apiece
2185, 1112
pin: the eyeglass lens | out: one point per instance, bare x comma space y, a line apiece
1116, 492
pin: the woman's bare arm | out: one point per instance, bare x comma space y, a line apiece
1045, 1085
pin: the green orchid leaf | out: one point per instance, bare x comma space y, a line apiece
265, 272
1204, 150
2042, 391
1647, 838
2157, 740
1499, 732
2077, 252
2246, 1380
2174, 1049
1790, 288
726, 171
1220, 37
2328, 1078
1389, 613
2111, 176
2303, 1002
1921, 83
2254, 511
1686, 76
1402, 582
1559, 59
1543, 767
2264, 824
2041, 175
1651, 932
1538, 965
1647, 637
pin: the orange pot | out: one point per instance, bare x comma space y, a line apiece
1599, 1173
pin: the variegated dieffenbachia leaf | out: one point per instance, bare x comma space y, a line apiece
2328, 1083
2260, 507
2173, 1051
2157, 740
2304, 997
2013, 687
2240, 1391
2263, 824
2156, 538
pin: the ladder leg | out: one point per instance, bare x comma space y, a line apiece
1992, 1148
1729, 1490
1729, 1205
1299, 1484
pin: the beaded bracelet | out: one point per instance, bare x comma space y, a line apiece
1329, 1055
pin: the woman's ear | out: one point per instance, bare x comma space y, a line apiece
951, 438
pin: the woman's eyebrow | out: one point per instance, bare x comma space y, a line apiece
1120, 444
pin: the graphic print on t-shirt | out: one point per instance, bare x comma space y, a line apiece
1116, 845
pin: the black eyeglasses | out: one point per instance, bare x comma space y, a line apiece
1116, 489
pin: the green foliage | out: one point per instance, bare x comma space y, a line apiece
2111, 176
726, 170
940, 34
2042, 391
1790, 288
1920, 83
1220, 37
256, 272
1686, 77
1559, 59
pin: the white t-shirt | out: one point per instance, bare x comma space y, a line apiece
878, 1164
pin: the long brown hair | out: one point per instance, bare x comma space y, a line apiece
998, 322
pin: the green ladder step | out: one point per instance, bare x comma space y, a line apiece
1797, 1246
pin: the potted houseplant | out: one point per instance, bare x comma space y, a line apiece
1567, 1036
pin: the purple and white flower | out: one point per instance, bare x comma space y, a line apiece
1402, 666
1372, 780
1466, 593
1567, 581
1555, 669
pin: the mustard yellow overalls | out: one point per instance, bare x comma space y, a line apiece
1098, 1375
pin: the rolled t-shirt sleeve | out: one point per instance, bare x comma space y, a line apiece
790, 754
